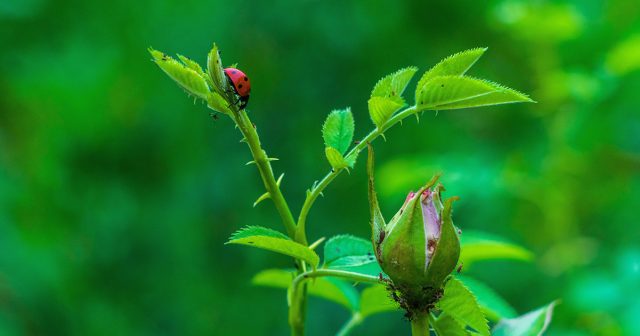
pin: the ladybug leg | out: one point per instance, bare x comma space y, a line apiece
235, 103
243, 102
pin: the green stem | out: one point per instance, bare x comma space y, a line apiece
324, 272
264, 167
296, 312
353, 322
260, 158
420, 324
301, 234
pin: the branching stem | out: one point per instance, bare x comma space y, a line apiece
301, 234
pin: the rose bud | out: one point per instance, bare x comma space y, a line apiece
419, 247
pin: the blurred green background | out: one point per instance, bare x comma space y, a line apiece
117, 192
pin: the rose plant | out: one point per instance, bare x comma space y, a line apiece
410, 261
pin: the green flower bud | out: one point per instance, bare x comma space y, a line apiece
407, 249
419, 247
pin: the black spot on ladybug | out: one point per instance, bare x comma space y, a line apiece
245, 78
235, 72
239, 86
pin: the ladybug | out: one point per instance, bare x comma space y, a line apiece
241, 85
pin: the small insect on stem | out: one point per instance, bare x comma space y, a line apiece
381, 238
357, 142
459, 268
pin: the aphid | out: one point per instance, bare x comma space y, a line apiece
459, 268
382, 234
240, 83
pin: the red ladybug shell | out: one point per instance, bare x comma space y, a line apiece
240, 81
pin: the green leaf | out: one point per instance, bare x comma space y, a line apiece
349, 253
217, 103
457, 92
375, 299
381, 109
215, 71
462, 306
277, 278
454, 65
275, 241
494, 306
336, 160
252, 230
392, 86
531, 324
477, 246
191, 65
446, 325
187, 78
330, 289
337, 130
376, 220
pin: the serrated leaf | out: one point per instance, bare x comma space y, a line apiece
217, 103
376, 220
461, 305
254, 230
330, 289
215, 71
336, 160
381, 109
478, 246
191, 64
187, 78
446, 325
502, 95
392, 86
337, 130
375, 300
454, 65
350, 253
274, 241
456, 92
531, 324
494, 306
